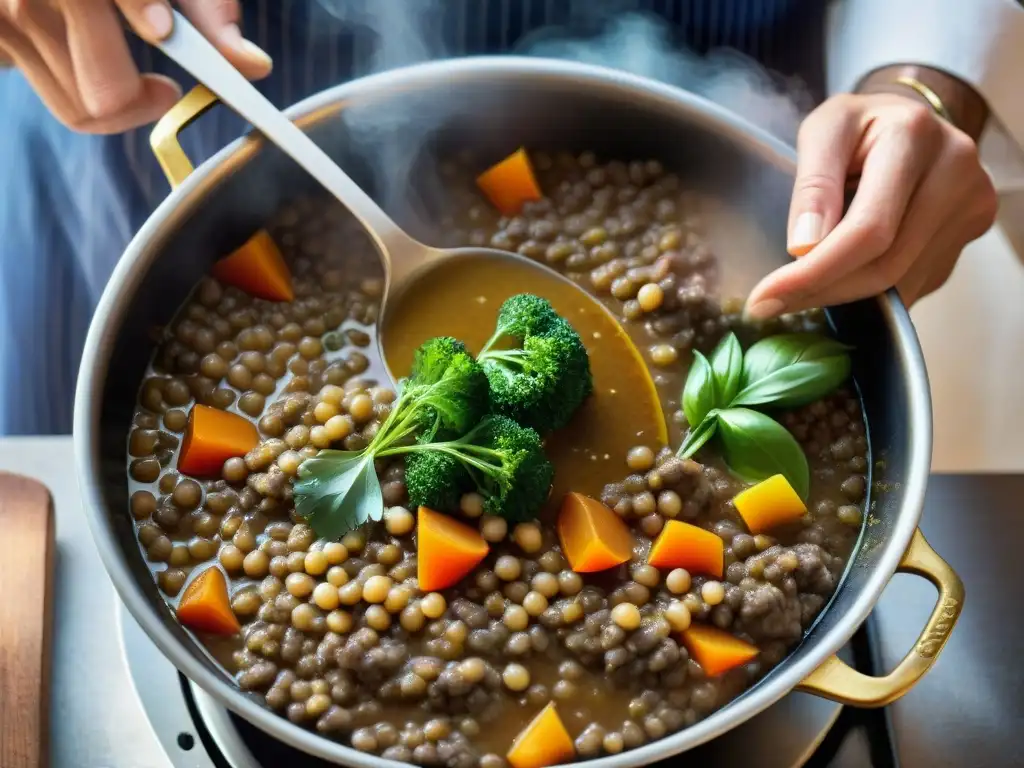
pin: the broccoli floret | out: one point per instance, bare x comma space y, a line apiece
436, 479
521, 316
542, 383
431, 359
502, 460
447, 393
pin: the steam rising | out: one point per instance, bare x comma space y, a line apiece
409, 32
642, 45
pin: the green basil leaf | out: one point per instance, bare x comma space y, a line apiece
797, 384
727, 367
776, 352
698, 436
699, 392
755, 447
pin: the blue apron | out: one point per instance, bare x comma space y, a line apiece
70, 203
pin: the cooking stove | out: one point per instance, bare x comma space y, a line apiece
116, 702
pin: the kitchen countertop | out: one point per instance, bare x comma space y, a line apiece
966, 712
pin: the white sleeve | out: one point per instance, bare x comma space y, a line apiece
979, 41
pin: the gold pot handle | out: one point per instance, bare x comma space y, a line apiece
840, 682
164, 138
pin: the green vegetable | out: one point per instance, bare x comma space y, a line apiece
791, 370
727, 365
338, 492
445, 396
521, 316
501, 460
543, 380
699, 435
699, 394
756, 447
784, 371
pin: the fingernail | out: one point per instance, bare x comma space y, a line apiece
807, 232
764, 309
231, 35
159, 19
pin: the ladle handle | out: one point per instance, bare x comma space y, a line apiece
197, 56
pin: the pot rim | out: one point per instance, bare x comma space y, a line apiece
143, 249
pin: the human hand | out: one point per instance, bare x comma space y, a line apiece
922, 195
75, 56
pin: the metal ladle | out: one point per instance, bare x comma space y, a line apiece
405, 259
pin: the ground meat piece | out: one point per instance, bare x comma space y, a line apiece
767, 613
813, 574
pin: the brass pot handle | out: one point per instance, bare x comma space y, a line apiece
840, 682
164, 138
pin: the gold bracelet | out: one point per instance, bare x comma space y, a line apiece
928, 95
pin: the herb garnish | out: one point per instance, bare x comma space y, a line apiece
784, 371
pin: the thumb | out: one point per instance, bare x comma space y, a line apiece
218, 20
825, 147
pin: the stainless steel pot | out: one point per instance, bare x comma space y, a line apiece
495, 105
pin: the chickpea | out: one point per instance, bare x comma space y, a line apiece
546, 584
338, 427
712, 592
515, 618
339, 622
324, 412
325, 596
535, 603
647, 575
640, 458
472, 504
627, 616
337, 576
433, 605
528, 537
678, 581
493, 528
397, 599
650, 297
361, 408
303, 616
516, 677
677, 615
299, 584
399, 521
376, 589
335, 552
664, 355
411, 618
377, 618
332, 394
231, 557
256, 564
507, 568
315, 563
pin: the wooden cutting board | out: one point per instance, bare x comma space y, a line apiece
26, 590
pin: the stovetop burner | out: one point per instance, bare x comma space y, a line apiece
801, 731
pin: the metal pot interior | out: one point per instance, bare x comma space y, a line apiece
389, 132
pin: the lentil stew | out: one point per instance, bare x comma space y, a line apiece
337, 636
